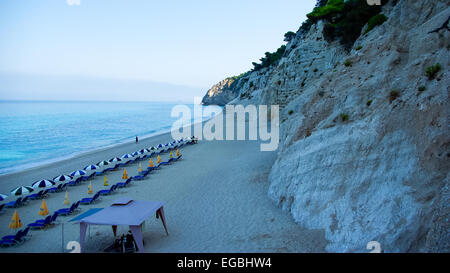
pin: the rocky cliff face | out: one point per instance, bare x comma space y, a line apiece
365, 144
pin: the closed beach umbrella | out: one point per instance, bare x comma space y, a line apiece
44, 183
62, 178
43, 210
77, 173
178, 152
115, 159
3, 197
90, 189
66, 199
103, 163
140, 167
21, 190
158, 159
105, 182
15, 221
91, 167
150, 163
125, 175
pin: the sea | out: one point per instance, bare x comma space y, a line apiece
33, 133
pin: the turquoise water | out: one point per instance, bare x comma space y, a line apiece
33, 133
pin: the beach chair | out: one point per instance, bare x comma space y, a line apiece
75, 182
56, 189
12, 237
106, 192
138, 177
42, 224
52, 220
178, 157
88, 177
124, 184
24, 201
165, 162
36, 195
68, 211
88, 200
19, 237
14, 204
1, 207
44, 194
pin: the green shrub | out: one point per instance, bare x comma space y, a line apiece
375, 21
250, 84
321, 93
347, 63
346, 24
393, 95
358, 47
344, 117
369, 102
288, 36
331, 8
315, 70
279, 82
291, 112
433, 70
270, 58
422, 88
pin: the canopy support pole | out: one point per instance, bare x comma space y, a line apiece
138, 238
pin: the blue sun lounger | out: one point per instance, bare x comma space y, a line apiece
124, 184
14, 204
36, 195
67, 211
19, 237
41, 224
52, 219
88, 200
110, 190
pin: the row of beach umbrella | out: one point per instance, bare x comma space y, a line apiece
44, 183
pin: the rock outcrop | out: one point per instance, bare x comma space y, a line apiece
365, 143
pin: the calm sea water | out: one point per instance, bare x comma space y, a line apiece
33, 133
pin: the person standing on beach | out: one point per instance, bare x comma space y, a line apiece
136, 139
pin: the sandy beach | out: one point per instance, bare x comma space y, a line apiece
215, 201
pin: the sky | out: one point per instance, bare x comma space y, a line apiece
59, 49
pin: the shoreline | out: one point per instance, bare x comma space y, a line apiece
48, 163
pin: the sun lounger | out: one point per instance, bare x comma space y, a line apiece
41, 225
36, 195
14, 204
24, 200
56, 189
138, 177
1, 207
106, 192
88, 200
124, 184
52, 220
67, 211
19, 237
